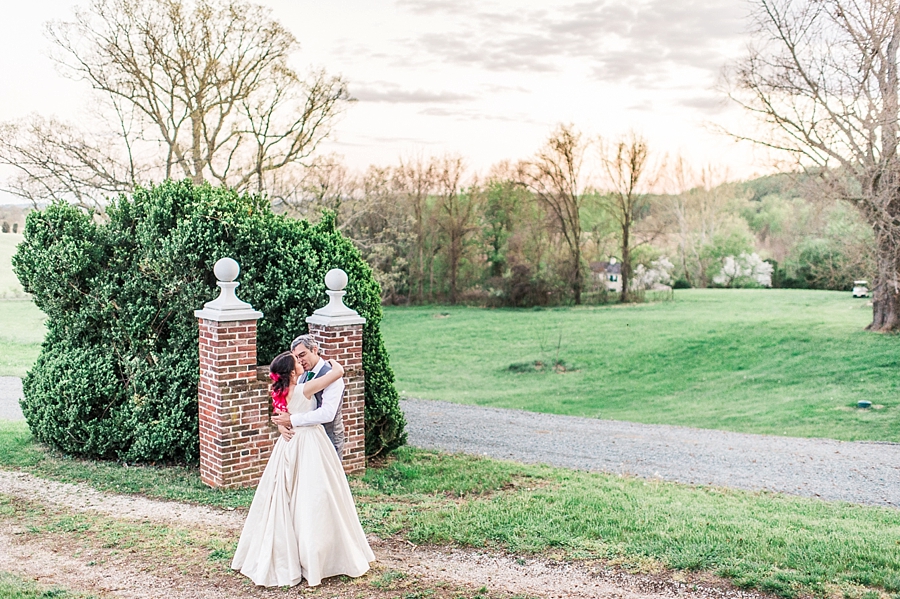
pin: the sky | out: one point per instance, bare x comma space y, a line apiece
487, 79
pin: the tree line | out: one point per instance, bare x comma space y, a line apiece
206, 90
541, 231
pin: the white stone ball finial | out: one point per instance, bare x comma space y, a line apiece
335, 313
227, 270
336, 279
227, 307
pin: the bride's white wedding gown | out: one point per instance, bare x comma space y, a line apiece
302, 522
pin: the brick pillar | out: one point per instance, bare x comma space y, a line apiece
338, 331
344, 344
236, 435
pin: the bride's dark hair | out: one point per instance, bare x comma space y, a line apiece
280, 371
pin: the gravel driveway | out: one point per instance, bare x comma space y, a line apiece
858, 472
10, 394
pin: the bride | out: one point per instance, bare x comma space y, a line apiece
302, 522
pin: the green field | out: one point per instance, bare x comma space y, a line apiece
783, 362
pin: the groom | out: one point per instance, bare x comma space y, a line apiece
328, 401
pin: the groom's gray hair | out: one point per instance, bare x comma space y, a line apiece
308, 342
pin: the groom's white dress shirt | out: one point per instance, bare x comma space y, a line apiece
331, 399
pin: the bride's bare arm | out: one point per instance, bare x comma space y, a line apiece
312, 387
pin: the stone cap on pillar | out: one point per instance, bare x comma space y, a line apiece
335, 314
227, 307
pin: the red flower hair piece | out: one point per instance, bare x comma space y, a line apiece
279, 397
279, 401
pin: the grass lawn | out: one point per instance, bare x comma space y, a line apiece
783, 362
787, 545
21, 333
18, 451
13, 587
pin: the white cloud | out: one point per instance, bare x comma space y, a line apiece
393, 93
618, 40
485, 78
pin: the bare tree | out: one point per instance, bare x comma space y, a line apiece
52, 160
700, 207
323, 183
200, 89
381, 227
823, 76
457, 211
415, 180
626, 165
554, 177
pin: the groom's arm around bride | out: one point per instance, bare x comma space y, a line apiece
328, 401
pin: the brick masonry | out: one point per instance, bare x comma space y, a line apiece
344, 344
236, 432
236, 435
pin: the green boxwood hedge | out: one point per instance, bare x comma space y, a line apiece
118, 370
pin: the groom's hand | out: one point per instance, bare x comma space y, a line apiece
287, 433
282, 419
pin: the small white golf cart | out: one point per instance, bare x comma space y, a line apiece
860, 289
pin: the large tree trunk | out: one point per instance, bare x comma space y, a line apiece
626, 261
885, 309
577, 279
886, 287
455, 251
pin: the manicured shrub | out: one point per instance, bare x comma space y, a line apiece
118, 371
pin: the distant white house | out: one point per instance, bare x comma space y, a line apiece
609, 274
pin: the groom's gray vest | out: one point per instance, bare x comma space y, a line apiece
335, 428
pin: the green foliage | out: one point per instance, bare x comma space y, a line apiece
787, 185
731, 242
118, 371
840, 252
769, 216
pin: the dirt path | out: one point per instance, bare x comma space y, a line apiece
53, 566
82, 498
544, 578
31, 557
10, 394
